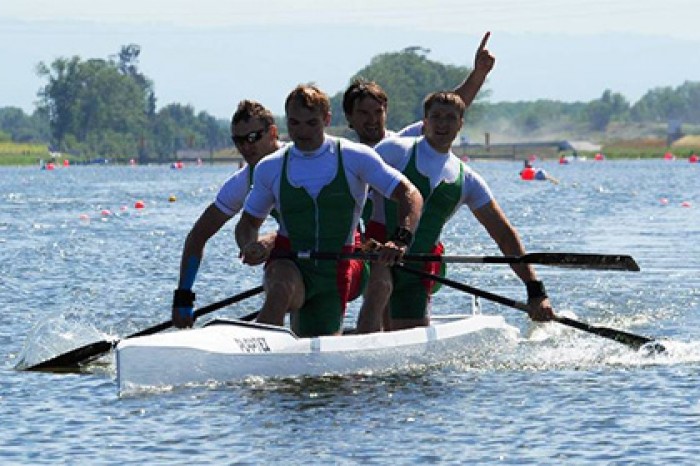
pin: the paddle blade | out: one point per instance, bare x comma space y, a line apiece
630, 339
583, 261
78, 357
636, 342
73, 359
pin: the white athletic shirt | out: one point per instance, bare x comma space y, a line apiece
434, 165
233, 192
413, 130
313, 171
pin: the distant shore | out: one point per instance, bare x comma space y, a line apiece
18, 154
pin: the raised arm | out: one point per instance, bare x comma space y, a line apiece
483, 64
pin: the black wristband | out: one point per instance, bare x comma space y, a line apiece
403, 235
183, 298
535, 290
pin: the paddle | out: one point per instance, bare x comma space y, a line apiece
626, 338
80, 356
557, 259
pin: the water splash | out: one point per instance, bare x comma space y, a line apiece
55, 336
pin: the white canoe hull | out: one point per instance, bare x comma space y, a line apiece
234, 350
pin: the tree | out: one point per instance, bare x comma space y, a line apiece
21, 127
97, 102
610, 106
664, 103
128, 66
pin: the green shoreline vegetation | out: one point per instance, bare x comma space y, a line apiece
97, 110
22, 154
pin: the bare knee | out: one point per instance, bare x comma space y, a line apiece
284, 291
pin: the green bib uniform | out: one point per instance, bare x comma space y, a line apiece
321, 224
412, 294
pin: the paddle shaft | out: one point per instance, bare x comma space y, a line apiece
202, 311
626, 338
556, 259
87, 353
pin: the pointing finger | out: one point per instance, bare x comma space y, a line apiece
482, 46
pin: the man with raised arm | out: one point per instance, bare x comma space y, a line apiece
365, 103
445, 183
318, 186
255, 135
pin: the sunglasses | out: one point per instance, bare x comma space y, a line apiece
250, 138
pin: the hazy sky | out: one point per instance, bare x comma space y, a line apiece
212, 53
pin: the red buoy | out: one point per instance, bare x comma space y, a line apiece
528, 173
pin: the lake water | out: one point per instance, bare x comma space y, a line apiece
78, 263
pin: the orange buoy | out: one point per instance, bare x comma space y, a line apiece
693, 158
599, 156
685, 204
139, 205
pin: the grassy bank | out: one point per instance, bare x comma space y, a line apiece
17, 154
12, 153
648, 148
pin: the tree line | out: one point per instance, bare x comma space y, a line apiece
107, 107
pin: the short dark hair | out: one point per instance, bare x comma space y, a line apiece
443, 97
310, 96
249, 109
359, 89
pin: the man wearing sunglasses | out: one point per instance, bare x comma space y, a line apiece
255, 135
318, 186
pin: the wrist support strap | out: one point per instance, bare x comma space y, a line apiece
535, 290
183, 298
403, 235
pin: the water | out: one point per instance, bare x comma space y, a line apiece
71, 276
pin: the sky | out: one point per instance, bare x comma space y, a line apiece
212, 53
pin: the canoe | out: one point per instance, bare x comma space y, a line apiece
232, 350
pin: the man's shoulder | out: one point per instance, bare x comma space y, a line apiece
413, 130
272, 159
395, 144
348, 145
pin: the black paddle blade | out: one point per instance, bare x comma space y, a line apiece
73, 359
583, 261
636, 342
